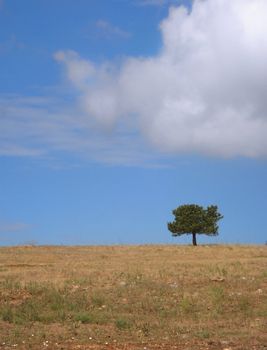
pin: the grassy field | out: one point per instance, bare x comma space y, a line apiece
133, 297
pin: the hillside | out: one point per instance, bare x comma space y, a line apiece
133, 297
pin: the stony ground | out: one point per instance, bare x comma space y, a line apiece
134, 297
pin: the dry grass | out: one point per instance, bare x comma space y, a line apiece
153, 297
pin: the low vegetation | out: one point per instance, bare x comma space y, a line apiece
153, 297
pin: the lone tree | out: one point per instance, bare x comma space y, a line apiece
194, 219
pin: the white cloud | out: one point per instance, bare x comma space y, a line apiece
205, 92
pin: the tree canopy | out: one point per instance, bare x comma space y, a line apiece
194, 219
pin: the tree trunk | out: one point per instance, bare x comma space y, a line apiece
194, 238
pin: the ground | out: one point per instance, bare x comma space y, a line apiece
133, 297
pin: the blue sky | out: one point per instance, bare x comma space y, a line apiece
114, 112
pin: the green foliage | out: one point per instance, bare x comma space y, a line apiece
203, 334
123, 323
84, 317
186, 306
98, 300
244, 305
6, 314
194, 219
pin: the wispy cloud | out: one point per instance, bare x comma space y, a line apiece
108, 30
46, 127
156, 2
13, 227
11, 43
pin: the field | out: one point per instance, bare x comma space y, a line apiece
133, 297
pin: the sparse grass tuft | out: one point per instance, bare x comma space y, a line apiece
245, 306
84, 317
186, 306
203, 334
98, 300
122, 323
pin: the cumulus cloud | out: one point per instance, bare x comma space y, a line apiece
204, 92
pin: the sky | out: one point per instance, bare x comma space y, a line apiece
115, 112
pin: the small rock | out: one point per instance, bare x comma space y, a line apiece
217, 279
224, 342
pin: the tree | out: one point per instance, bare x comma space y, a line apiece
194, 219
